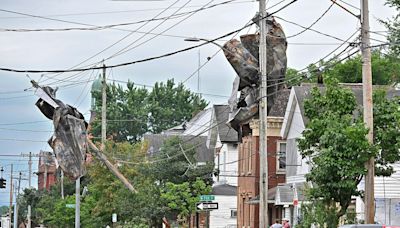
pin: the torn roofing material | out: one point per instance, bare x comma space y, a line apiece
69, 139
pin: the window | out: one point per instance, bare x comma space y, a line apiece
281, 157
233, 213
250, 157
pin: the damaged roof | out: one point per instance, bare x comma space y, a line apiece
226, 133
279, 107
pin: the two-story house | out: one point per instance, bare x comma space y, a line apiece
387, 190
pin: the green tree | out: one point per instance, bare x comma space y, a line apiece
135, 111
393, 26
336, 144
182, 198
182, 166
127, 112
171, 104
386, 132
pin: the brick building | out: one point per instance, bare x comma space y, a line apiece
249, 166
47, 171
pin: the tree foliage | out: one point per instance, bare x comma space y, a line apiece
393, 26
134, 111
182, 198
336, 145
180, 159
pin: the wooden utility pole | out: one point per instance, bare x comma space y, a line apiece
62, 184
368, 110
30, 169
78, 203
263, 213
103, 158
16, 202
29, 217
11, 195
103, 109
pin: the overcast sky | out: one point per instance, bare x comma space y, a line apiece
24, 129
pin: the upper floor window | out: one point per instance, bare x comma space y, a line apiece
281, 156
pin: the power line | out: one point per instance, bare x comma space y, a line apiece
117, 11
312, 24
118, 41
146, 59
127, 48
316, 31
150, 86
102, 27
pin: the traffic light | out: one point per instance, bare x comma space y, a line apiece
2, 183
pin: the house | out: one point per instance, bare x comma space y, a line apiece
387, 194
249, 165
223, 140
47, 170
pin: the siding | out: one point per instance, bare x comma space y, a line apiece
221, 218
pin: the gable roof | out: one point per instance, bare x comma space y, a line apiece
304, 92
226, 133
224, 190
203, 154
299, 94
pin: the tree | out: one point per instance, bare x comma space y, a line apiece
393, 26
134, 111
386, 132
182, 198
179, 157
335, 144
170, 105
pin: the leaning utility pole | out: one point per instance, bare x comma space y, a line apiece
11, 195
368, 111
263, 213
104, 109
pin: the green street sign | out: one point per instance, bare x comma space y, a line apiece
70, 205
207, 197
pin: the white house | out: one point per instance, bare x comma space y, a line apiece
224, 141
221, 140
387, 190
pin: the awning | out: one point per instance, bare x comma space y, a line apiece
282, 194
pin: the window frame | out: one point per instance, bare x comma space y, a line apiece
278, 156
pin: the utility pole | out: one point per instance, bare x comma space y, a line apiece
103, 109
62, 184
263, 213
368, 111
77, 203
16, 202
29, 217
30, 169
11, 194
198, 73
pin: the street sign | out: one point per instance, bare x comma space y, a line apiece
207, 197
70, 205
207, 206
114, 217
